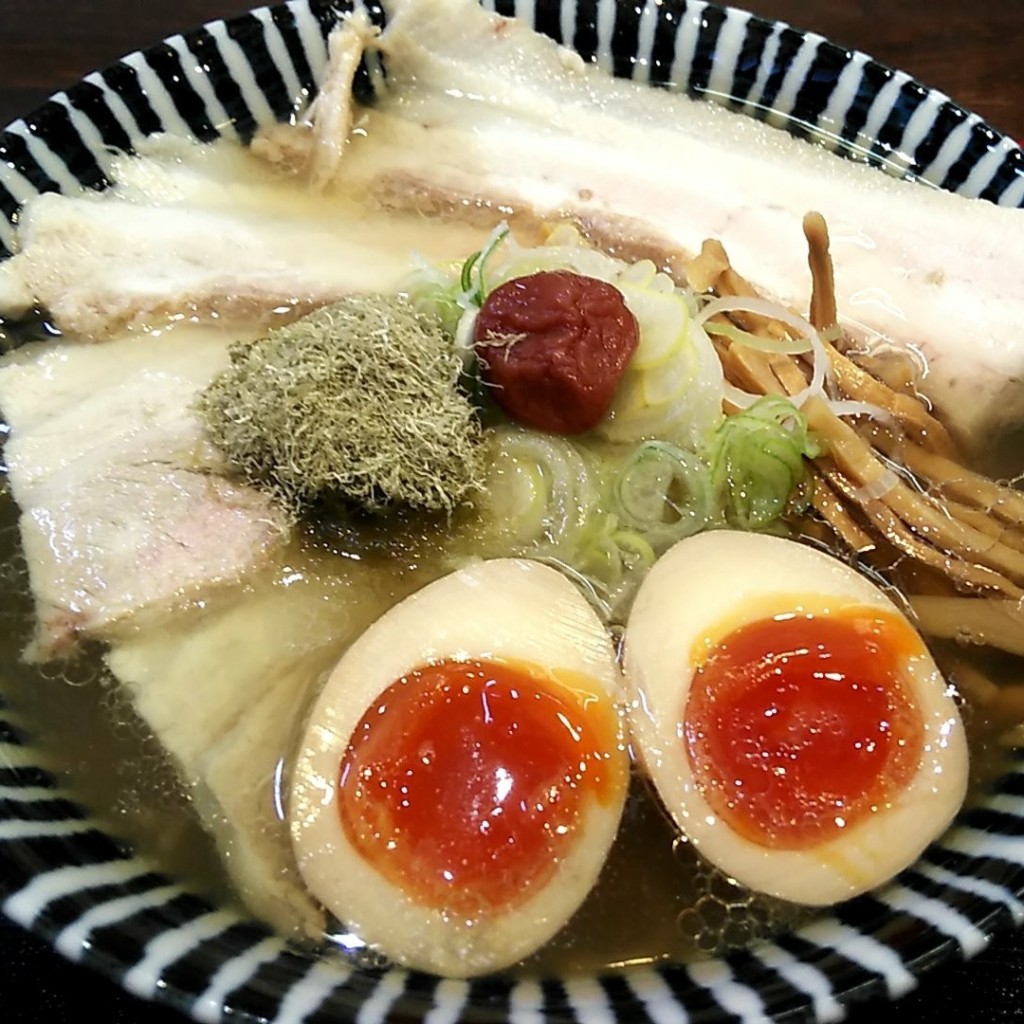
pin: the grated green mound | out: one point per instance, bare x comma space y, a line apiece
357, 400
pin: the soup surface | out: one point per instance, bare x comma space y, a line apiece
91, 734
178, 728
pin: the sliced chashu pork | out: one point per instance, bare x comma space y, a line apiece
124, 506
224, 688
481, 114
202, 234
206, 234
485, 119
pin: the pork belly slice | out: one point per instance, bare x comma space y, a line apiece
206, 234
103, 268
125, 508
261, 651
482, 114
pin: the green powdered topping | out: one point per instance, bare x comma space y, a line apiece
358, 400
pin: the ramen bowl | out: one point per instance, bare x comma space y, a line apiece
98, 903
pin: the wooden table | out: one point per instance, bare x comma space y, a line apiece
976, 55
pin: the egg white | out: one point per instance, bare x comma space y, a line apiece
728, 579
499, 609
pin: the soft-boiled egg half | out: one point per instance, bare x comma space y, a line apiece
791, 719
463, 772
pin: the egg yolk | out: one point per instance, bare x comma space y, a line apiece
798, 727
464, 782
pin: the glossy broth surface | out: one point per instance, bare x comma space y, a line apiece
655, 899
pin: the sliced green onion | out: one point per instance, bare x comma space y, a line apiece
760, 307
466, 277
808, 338
757, 462
565, 484
662, 493
475, 293
432, 290
785, 346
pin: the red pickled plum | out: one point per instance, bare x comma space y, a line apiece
553, 346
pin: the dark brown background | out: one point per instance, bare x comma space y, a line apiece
973, 52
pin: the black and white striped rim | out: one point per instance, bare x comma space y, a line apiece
98, 904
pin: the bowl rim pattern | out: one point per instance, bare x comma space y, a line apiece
100, 904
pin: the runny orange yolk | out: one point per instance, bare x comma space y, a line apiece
799, 727
465, 781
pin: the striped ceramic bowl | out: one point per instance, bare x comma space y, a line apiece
63, 878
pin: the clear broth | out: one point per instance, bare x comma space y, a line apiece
90, 734
92, 737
